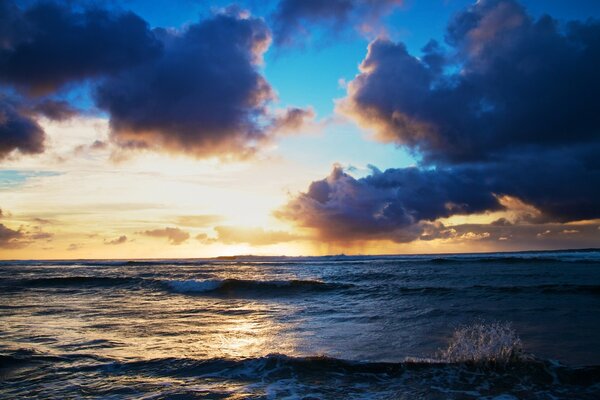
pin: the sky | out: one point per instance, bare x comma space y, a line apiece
138, 129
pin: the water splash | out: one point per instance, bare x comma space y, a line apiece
484, 343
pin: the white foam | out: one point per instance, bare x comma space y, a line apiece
495, 342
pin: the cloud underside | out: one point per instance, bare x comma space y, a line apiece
505, 108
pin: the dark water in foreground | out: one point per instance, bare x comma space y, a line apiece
346, 327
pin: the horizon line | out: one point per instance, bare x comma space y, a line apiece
233, 257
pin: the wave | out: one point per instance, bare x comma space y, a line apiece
243, 287
209, 287
256, 287
310, 377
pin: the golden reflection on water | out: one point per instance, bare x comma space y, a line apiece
162, 326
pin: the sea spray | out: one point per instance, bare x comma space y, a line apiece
494, 343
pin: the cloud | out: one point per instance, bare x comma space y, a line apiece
520, 236
51, 44
204, 96
74, 246
198, 221
390, 204
504, 83
293, 20
251, 236
503, 110
292, 120
24, 236
18, 131
41, 236
197, 90
10, 239
120, 240
393, 204
57, 110
48, 45
174, 235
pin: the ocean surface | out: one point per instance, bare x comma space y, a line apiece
478, 326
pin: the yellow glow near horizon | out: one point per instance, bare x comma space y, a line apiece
91, 194
91, 199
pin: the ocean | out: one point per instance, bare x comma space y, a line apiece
472, 326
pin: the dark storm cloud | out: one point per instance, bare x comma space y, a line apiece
390, 204
294, 19
506, 83
394, 204
197, 90
18, 130
50, 44
174, 235
507, 108
204, 96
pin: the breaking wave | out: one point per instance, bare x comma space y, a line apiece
484, 343
241, 286
282, 376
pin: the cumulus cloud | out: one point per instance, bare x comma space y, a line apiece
45, 46
50, 44
294, 19
203, 96
502, 110
196, 90
503, 83
390, 204
174, 235
395, 203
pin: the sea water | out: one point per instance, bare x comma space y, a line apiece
491, 326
